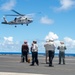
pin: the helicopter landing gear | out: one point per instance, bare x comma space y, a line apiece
22, 24
15, 26
26, 24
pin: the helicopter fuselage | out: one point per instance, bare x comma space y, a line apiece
19, 20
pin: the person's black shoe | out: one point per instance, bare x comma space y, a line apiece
63, 63
21, 61
37, 64
31, 64
59, 63
51, 65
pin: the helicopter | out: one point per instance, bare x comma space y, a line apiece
20, 19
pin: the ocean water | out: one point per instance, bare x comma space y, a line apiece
67, 54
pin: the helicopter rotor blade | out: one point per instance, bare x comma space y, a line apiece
11, 15
17, 12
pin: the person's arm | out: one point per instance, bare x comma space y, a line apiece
58, 47
31, 49
65, 47
21, 50
27, 48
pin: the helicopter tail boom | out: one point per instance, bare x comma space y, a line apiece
5, 20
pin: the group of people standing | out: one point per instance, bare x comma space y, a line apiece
49, 47
34, 51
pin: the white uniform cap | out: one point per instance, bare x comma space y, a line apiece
61, 42
51, 40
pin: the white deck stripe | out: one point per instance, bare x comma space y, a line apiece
11, 73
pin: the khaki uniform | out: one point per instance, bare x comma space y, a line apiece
61, 49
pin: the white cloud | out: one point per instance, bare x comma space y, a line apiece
66, 4
51, 35
8, 5
69, 42
46, 20
8, 39
8, 45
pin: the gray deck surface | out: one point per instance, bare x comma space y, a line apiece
11, 64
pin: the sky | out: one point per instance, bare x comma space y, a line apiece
52, 19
